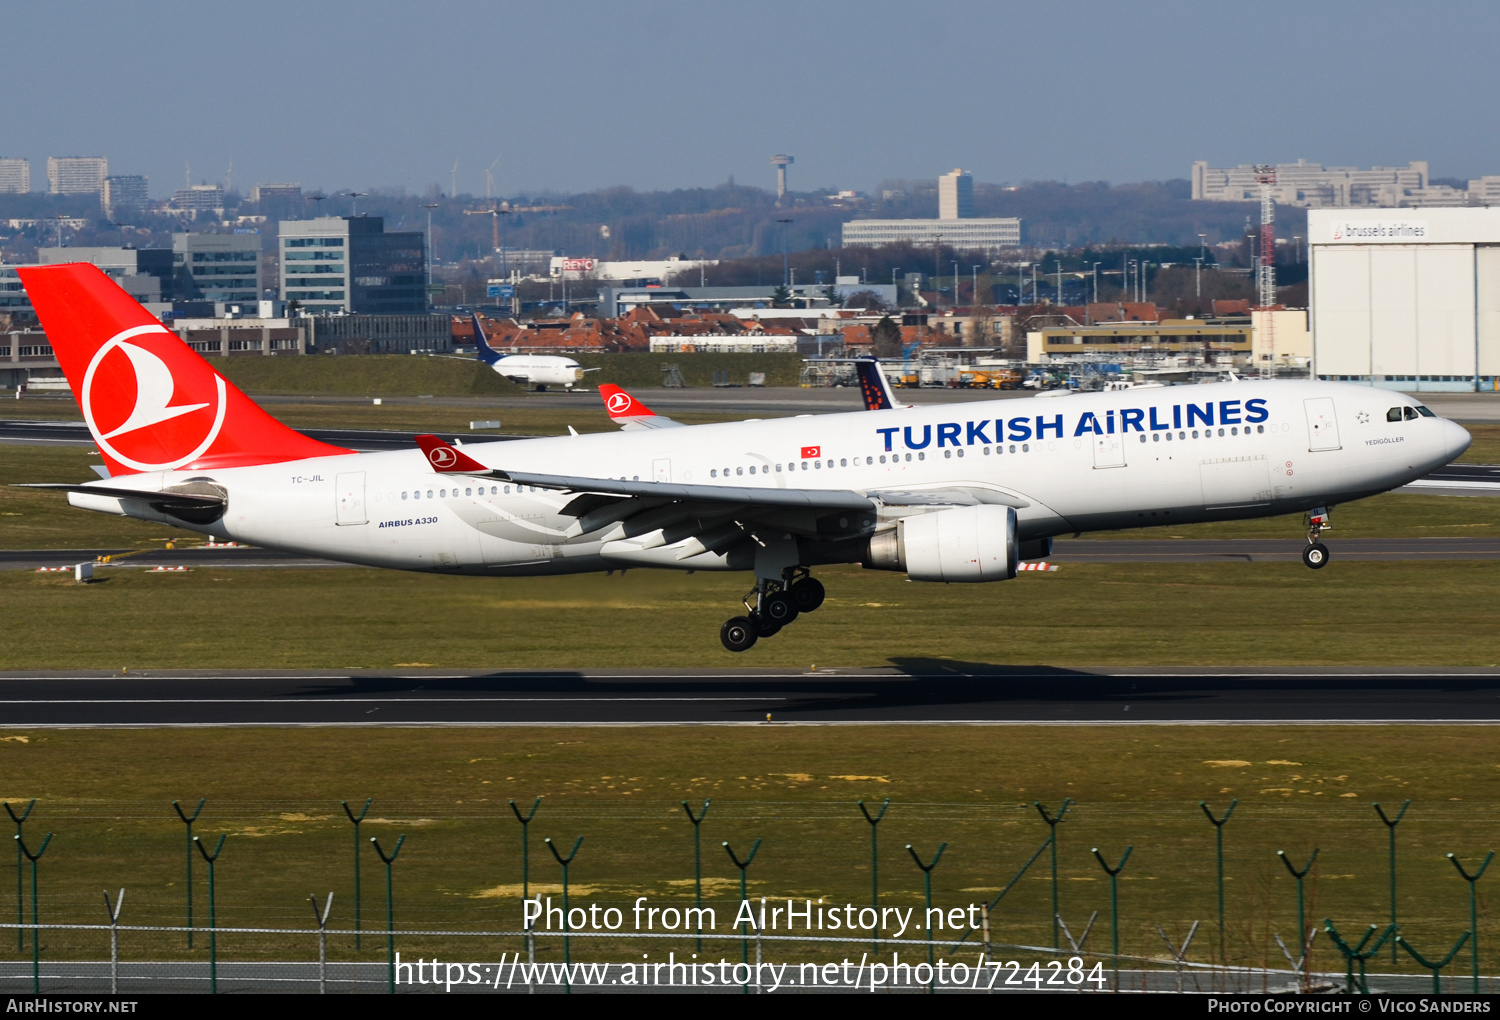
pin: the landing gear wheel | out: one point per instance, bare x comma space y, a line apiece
778, 608
807, 594
1315, 556
738, 634
764, 625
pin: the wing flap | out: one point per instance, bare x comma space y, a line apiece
799, 499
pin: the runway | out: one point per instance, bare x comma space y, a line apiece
1064, 551
928, 691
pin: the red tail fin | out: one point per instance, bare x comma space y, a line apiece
446, 459
150, 401
620, 404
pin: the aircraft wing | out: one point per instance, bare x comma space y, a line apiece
795, 499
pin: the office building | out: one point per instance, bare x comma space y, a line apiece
199, 198
267, 192
956, 196
216, 267
1406, 300
15, 176
144, 273
1311, 185
335, 264
124, 195
76, 175
986, 235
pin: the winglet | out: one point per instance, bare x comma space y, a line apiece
622, 405
874, 386
449, 460
482, 349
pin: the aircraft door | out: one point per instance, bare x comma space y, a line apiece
1322, 426
350, 491
1109, 452
661, 469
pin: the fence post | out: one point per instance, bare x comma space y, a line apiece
188, 847
742, 865
874, 863
1356, 954
1436, 968
390, 911
322, 916
1473, 909
698, 864
345, 805
1114, 905
213, 919
1299, 876
525, 821
1390, 824
927, 890
36, 967
1053, 823
1218, 824
565, 861
114, 939
20, 870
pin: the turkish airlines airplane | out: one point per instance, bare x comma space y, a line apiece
539, 370
953, 493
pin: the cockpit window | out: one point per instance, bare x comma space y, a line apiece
1425, 412
1394, 414
1411, 413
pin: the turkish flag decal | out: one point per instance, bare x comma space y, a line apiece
811, 451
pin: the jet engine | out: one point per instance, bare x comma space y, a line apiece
971, 543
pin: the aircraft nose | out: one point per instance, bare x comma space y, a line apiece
1455, 440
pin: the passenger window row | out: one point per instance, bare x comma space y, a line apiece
817, 465
1207, 433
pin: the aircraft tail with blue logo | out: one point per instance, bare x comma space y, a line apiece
482, 348
874, 386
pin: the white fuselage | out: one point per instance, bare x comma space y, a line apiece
539, 370
1075, 463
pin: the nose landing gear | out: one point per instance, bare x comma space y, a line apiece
776, 603
1316, 554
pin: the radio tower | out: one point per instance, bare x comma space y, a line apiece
1264, 347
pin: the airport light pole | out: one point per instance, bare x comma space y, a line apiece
429, 206
974, 285
354, 197
785, 272
1198, 276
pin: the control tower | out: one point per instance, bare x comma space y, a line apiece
781, 162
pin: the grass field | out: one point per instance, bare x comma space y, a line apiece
106, 794
394, 375
1082, 615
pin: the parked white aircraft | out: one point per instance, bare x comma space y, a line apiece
944, 493
539, 370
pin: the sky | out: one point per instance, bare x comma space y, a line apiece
580, 95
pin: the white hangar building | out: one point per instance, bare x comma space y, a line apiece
1406, 299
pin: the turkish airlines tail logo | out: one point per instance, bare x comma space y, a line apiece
620, 404
150, 401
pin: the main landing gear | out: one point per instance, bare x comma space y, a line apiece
1316, 554
777, 603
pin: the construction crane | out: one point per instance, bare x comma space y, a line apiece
495, 211
1264, 347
